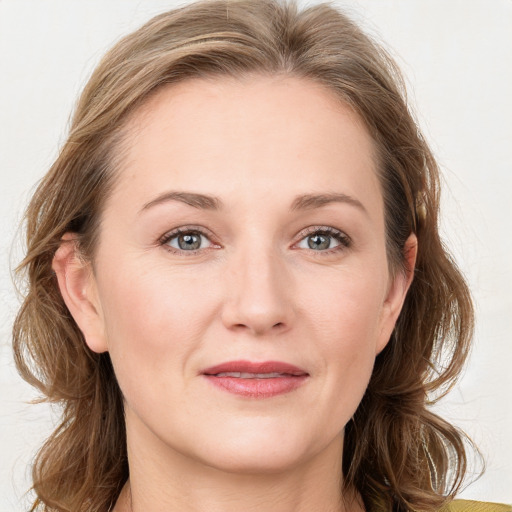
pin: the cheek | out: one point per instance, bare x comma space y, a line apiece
346, 323
153, 320
156, 299
349, 306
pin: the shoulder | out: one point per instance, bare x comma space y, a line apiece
475, 506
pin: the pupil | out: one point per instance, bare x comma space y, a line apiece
188, 242
318, 242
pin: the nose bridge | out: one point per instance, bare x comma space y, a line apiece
258, 289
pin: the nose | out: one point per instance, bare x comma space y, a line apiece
258, 294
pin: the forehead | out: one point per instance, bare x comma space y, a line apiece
218, 135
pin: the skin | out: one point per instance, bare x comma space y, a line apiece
254, 290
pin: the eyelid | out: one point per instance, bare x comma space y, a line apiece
169, 235
344, 240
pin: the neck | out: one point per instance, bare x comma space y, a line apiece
174, 482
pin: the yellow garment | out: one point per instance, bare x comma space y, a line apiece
476, 506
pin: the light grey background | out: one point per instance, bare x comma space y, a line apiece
456, 55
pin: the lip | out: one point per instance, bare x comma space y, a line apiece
253, 367
290, 379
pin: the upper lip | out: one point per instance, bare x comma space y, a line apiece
254, 367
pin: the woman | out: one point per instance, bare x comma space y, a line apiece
237, 287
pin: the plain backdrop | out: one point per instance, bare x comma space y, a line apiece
457, 58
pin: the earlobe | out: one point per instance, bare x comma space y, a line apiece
78, 289
397, 291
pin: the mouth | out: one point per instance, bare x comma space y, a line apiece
245, 375
256, 380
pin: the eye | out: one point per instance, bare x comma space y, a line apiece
186, 240
324, 239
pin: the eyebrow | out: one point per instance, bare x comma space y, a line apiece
311, 201
207, 202
200, 201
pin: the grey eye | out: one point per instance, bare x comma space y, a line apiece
190, 241
319, 242
187, 242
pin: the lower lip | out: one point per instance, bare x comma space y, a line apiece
258, 388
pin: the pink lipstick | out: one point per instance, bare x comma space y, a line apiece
256, 380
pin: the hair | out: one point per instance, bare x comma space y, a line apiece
397, 453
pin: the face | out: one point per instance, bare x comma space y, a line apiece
240, 282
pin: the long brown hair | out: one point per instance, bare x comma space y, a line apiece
398, 454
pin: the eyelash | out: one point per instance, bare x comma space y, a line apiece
344, 240
164, 241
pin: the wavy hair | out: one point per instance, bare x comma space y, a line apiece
398, 454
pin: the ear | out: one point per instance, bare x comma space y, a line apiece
397, 290
78, 289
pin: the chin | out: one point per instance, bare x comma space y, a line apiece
259, 452
255, 462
